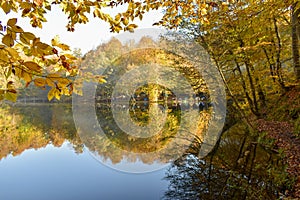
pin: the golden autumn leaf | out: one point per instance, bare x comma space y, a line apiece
33, 66
55, 42
40, 82
131, 27
38, 2
26, 76
17, 29
57, 94
11, 95
12, 22
3, 55
12, 52
51, 93
26, 37
8, 40
50, 82
63, 82
6, 7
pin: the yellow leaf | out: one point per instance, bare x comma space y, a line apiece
26, 76
57, 94
3, 56
118, 16
54, 76
40, 82
26, 37
12, 22
63, 47
33, 66
43, 46
131, 27
6, 7
12, 52
63, 82
55, 42
38, 2
10, 85
8, 40
125, 21
69, 56
98, 13
203, 11
51, 93
66, 91
50, 82
11, 96
101, 80
17, 29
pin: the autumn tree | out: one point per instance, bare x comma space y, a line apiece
254, 60
24, 56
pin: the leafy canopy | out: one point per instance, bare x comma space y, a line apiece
24, 57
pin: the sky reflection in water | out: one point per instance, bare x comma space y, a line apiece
59, 173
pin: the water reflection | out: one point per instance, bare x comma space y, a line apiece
152, 133
33, 127
238, 168
42, 157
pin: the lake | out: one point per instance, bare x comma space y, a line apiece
48, 152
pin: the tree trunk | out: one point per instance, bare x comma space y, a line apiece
295, 41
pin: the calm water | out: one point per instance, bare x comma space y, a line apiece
43, 155
53, 167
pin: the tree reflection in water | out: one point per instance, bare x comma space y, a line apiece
238, 168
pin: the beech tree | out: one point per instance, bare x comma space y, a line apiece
251, 44
24, 56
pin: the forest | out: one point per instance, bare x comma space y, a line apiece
253, 46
